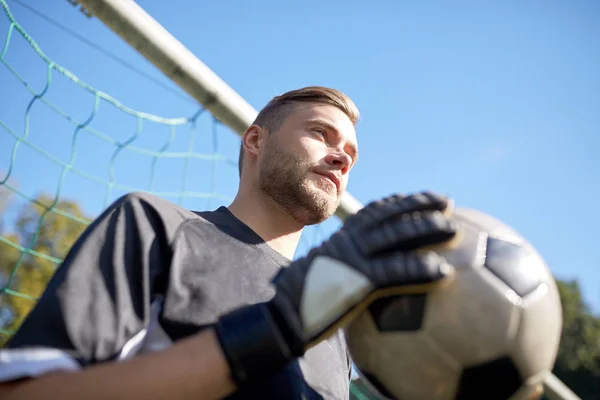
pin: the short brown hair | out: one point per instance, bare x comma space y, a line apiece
275, 112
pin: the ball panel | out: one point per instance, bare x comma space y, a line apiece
398, 313
498, 379
486, 223
362, 341
471, 248
416, 370
473, 319
515, 264
536, 344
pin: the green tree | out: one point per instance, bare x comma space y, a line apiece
578, 360
30, 253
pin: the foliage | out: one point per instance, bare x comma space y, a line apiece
578, 361
30, 251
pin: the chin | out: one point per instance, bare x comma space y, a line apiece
326, 207
323, 198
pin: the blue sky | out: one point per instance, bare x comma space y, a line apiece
495, 103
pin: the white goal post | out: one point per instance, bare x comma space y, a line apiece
140, 30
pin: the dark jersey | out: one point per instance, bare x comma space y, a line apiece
147, 273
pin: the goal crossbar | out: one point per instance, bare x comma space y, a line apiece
141, 31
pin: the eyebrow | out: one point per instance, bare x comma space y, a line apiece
328, 125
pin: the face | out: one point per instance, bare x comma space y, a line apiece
304, 165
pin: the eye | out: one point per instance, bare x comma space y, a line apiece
320, 131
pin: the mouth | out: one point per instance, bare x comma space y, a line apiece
331, 177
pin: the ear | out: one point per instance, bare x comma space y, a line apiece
253, 140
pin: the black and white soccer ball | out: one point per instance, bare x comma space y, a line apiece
492, 333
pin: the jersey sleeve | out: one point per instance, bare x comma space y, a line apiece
97, 306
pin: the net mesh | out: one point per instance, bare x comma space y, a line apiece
67, 150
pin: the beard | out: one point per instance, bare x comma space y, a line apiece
285, 178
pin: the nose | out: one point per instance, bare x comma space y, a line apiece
339, 159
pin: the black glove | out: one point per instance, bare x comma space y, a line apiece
379, 251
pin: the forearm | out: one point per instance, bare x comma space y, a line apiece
193, 368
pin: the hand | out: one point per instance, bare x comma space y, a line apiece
385, 249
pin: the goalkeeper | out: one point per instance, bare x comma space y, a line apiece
157, 302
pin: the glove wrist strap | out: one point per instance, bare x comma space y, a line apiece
252, 343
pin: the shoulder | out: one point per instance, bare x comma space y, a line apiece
150, 200
155, 205
151, 212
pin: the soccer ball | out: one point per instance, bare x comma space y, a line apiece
492, 333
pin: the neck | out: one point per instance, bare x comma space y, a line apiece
269, 220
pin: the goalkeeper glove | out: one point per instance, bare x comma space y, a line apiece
382, 250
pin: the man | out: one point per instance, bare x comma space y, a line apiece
157, 302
